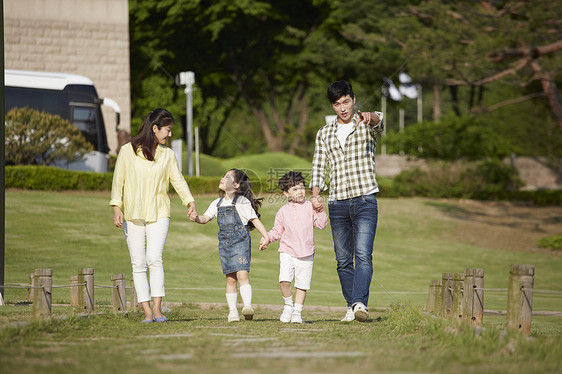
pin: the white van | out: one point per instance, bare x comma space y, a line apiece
73, 97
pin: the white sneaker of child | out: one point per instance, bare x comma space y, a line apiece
286, 315
296, 317
248, 312
233, 316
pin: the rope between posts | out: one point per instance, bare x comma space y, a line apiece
22, 286
100, 286
491, 289
553, 292
68, 285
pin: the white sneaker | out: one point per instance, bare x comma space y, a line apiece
296, 317
349, 316
233, 316
286, 315
361, 312
248, 312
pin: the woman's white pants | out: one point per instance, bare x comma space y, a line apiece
146, 244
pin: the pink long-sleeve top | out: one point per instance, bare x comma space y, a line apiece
294, 225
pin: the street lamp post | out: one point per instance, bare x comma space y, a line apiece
187, 78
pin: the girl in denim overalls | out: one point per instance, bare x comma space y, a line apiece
236, 212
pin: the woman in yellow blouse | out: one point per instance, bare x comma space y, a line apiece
144, 170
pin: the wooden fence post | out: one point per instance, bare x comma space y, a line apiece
478, 303
134, 299
438, 298
468, 294
73, 281
86, 292
473, 301
520, 298
118, 294
30, 290
458, 283
431, 296
42, 295
447, 291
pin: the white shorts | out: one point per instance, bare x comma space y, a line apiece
299, 268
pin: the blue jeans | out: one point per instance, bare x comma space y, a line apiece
354, 224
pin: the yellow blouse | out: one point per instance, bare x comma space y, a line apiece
140, 187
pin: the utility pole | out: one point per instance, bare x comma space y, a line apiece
2, 159
187, 78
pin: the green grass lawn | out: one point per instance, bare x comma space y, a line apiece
417, 240
68, 231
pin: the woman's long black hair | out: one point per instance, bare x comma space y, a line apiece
145, 139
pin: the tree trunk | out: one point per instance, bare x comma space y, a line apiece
551, 92
303, 119
274, 143
455, 100
304, 112
436, 102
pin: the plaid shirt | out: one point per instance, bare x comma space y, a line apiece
352, 170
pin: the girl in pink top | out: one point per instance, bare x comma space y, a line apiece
294, 225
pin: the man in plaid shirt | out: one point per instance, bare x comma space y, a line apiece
347, 146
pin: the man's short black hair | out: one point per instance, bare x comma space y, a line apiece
290, 179
339, 89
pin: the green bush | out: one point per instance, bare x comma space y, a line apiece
552, 242
203, 185
54, 179
34, 137
452, 138
539, 197
441, 179
386, 188
50, 178
485, 180
492, 180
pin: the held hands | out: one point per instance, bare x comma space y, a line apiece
264, 243
192, 212
317, 203
368, 118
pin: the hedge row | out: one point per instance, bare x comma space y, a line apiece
55, 179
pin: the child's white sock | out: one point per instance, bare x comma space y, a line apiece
231, 299
288, 300
298, 308
246, 293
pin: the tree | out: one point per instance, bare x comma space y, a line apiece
266, 63
255, 52
467, 43
34, 137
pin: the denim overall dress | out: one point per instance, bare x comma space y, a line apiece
234, 239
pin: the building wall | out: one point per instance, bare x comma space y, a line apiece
85, 37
